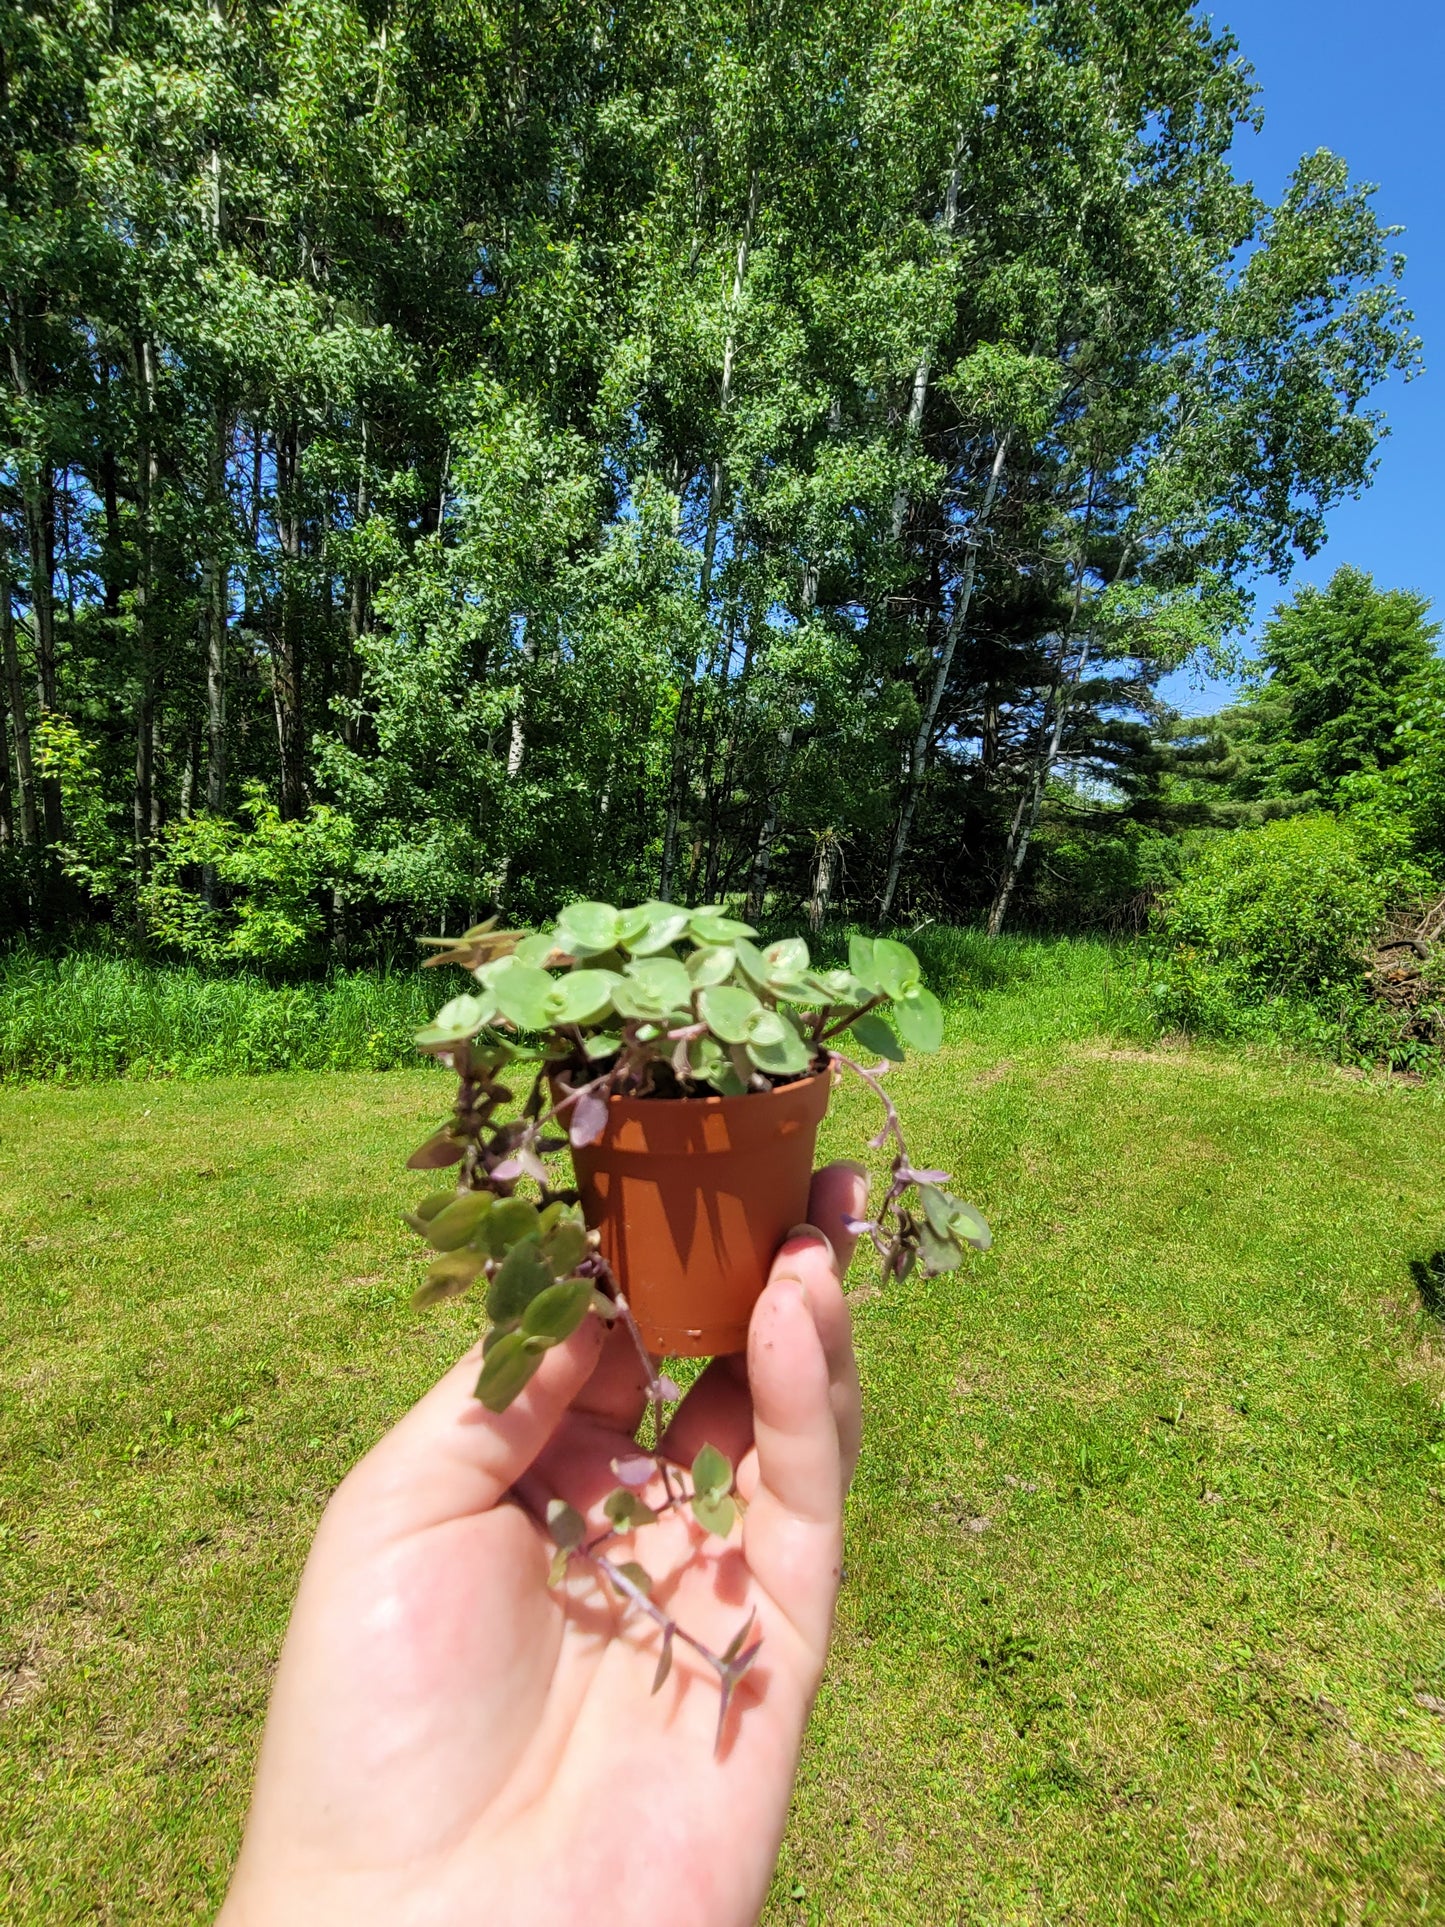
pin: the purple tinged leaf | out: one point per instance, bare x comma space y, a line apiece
880, 1138
635, 1471
668, 1389
589, 1118
724, 1701
664, 1661
439, 1151
508, 1169
744, 1660
735, 1644
732, 1671
855, 1227
532, 1165
923, 1177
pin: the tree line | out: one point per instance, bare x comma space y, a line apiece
460, 455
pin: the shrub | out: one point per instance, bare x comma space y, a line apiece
1268, 932
1102, 881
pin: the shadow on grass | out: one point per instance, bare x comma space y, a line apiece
1429, 1276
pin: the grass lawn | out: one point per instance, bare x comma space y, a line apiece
1144, 1615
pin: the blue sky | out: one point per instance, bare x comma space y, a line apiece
1366, 83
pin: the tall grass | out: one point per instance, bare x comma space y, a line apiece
91, 1016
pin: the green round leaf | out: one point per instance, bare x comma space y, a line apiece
455, 1022
459, 1223
787, 958
427, 1209
626, 1510
566, 1246
971, 1226
938, 1208
715, 1515
787, 1058
507, 1223
580, 996
536, 948
767, 1027
708, 927
506, 1370
632, 924
631, 999
712, 1473
663, 981
522, 1275
554, 1314
919, 1016
895, 966
584, 929
754, 963
727, 1010
839, 987
937, 1254
665, 924
524, 994
713, 965
873, 1034
860, 960
448, 1276
565, 1524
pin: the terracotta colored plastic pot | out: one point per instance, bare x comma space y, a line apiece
692, 1196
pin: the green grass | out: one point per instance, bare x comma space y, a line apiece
90, 1016
1146, 1562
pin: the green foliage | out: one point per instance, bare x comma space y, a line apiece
1344, 672
675, 1000
1268, 931
93, 854
1406, 798
659, 1002
1102, 879
634, 449
90, 1016
273, 874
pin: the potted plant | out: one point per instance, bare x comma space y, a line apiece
688, 1070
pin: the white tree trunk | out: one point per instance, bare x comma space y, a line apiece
962, 601
717, 486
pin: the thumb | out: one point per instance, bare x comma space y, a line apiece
450, 1457
793, 1529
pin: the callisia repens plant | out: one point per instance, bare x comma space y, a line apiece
658, 1002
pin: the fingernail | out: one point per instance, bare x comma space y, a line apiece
810, 1234
787, 1278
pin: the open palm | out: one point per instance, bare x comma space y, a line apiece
451, 1741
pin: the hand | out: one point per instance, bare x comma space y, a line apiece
450, 1741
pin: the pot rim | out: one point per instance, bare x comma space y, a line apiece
803, 1082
